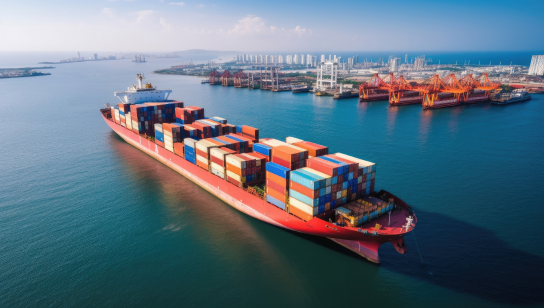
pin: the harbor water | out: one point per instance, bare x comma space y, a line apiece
86, 220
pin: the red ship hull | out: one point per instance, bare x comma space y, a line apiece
365, 244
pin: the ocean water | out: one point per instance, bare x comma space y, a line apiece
86, 220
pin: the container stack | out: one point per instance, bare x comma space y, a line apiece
116, 116
236, 169
184, 115
190, 132
198, 112
226, 143
202, 150
204, 130
314, 149
219, 120
254, 175
124, 109
242, 145
217, 159
366, 172
216, 127
189, 150
264, 149
310, 193
229, 129
159, 135
163, 112
172, 133
277, 185
289, 157
142, 119
251, 133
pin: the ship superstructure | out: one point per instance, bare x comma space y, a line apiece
142, 93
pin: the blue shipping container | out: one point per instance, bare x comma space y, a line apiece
302, 198
275, 201
278, 170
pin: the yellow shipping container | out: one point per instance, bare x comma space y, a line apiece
344, 193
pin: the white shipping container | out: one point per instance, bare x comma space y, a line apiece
218, 153
168, 139
234, 176
217, 167
204, 145
308, 209
190, 142
273, 142
202, 159
292, 140
218, 173
362, 163
236, 161
158, 127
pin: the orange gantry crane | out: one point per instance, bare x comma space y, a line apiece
375, 89
215, 78
403, 93
226, 79
439, 93
241, 80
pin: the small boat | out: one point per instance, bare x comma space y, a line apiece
507, 98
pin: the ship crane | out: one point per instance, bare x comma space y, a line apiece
432, 88
375, 89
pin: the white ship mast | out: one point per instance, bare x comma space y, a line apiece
142, 93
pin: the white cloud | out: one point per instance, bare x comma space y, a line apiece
200, 5
108, 12
178, 3
146, 15
254, 25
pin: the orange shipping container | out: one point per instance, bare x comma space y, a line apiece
300, 214
288, 153
201, 165
276, 194
276, 179
178, 148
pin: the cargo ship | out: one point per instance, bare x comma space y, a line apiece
296, 185
506, 98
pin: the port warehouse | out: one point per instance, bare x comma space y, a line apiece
297, 176
431, 93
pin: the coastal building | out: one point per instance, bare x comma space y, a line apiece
537, 65
394, 64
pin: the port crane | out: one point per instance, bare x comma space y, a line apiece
214, 78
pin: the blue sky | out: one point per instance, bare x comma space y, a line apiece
278, 25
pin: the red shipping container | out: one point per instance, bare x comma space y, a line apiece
251, 132
217, 161
323, 166
233, 181
276, 194
282, 162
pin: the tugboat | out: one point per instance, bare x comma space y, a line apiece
300, 88
506, 98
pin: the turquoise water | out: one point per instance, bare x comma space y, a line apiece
88, 220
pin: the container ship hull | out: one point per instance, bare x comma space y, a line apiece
363, 240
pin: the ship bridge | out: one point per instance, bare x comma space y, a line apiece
142, 93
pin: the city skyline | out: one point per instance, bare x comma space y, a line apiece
285, 26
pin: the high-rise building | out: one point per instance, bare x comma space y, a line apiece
406, 59
322, 58
78, 56
356, 60
261, 59
280, 59
289, 59
394, 65
419, 63
95, 57
309, 60
302, 59
537, 65
295, 59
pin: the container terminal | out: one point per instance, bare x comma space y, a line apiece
293, 184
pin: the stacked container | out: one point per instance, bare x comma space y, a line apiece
314, 150
367, 173
179, 149
184, 115
242, 145
189, 150
254, 175
190, 132
204, 130
229, 129
142, 119
236, 169
263, 149
124, 109
198, 112
216, 127
217, 161
202, 150
277, 185
163, 112
289, 157
291, 140
172, 133
116, 115
250, 132
310, 192
220, 120
226, 142
159, 135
